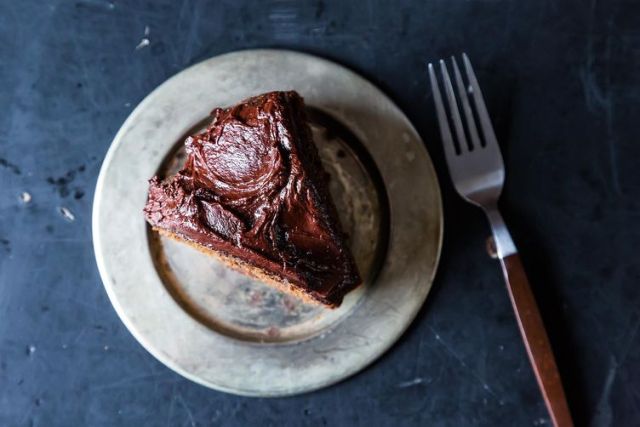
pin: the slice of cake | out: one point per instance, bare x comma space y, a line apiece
254, 194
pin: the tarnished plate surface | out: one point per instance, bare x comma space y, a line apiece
222, 329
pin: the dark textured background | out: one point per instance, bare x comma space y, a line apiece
563, 85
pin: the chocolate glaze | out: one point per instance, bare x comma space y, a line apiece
253, 188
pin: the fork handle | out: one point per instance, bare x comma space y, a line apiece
536, 340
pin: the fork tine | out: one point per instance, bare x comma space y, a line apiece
453, 108
445, 131
481, 108
462, 93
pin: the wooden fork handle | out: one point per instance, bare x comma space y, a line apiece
536, 340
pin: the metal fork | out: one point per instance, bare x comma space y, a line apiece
477, 172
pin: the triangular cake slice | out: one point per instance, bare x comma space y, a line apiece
254, 194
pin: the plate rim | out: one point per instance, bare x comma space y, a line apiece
104, 273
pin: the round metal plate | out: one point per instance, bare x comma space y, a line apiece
228, 332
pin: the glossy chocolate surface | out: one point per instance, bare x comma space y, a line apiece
253, 188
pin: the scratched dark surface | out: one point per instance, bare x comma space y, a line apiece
563, 87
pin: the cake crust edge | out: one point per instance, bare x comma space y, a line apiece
252, 271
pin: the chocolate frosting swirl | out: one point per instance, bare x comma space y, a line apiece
253, 188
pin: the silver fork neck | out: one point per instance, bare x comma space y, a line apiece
503, 240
